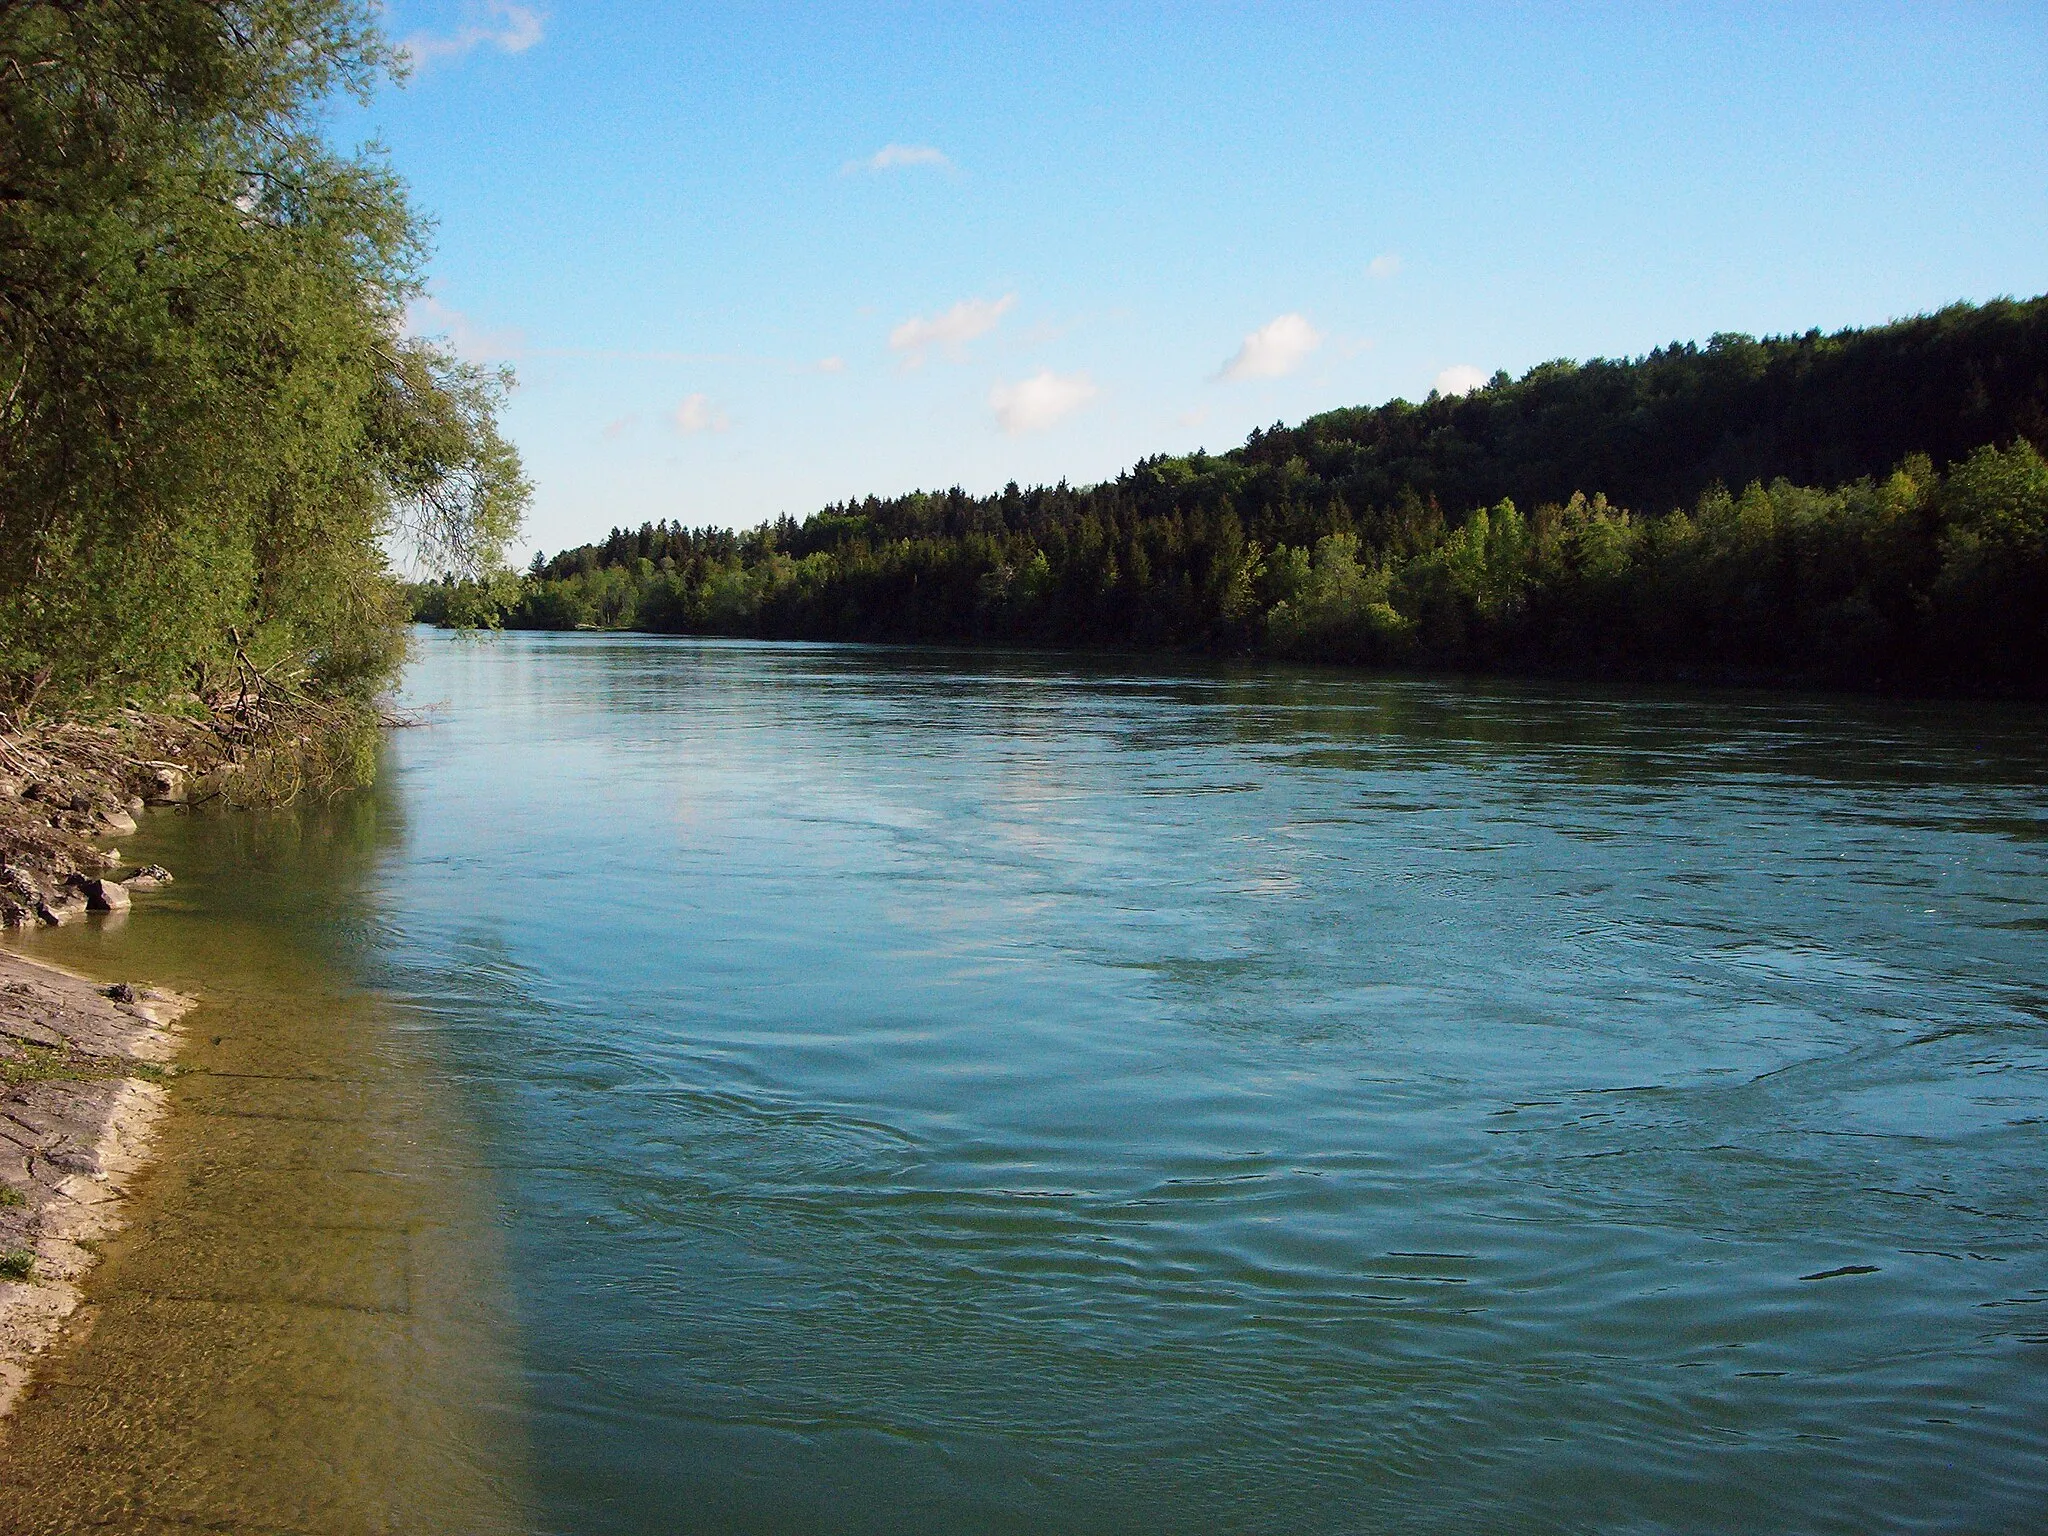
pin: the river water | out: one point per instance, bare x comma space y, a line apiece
839, 1089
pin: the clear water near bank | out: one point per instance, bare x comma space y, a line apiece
997, 1093
302, 1328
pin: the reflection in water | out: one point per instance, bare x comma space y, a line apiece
299, 1332
927, 1091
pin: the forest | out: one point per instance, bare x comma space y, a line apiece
1866, 509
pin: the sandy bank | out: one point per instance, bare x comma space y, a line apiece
81, 1094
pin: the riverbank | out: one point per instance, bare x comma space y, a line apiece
68, 788
82, 1069
82, 1063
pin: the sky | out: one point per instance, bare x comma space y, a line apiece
748, 260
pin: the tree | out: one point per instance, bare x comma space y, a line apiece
212, 425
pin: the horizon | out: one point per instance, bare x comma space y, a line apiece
1028, 247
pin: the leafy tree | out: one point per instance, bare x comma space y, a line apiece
212, 426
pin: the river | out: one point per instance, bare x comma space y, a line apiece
729, 1087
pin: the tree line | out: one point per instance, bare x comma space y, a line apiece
1867, 508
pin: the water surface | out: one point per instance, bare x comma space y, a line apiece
950, 1092
976, 1093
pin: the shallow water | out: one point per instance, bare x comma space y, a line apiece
931, 1091
304, 1327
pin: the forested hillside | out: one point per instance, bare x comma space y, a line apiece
212, 423
1868, 508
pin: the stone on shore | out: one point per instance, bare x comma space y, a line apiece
169, 785
106, 895
59, 910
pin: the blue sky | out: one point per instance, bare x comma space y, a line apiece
750, 259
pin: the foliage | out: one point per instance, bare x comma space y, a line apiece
1575, 519
211, 424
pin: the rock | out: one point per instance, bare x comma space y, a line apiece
148, 878
10, 789
13, 914
34, 1033
169, 785
117, 823
110, 858
59, 910
72, 1158
106, 895
135, 805
124, 992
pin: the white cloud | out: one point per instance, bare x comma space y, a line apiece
892, 157
619, 426
1033, 404
1460, 380
1276, 348
428, 316
834, 364
1383, 266
952, 330
698, 414
501, 25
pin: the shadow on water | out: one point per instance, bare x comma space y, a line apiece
302, 1327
